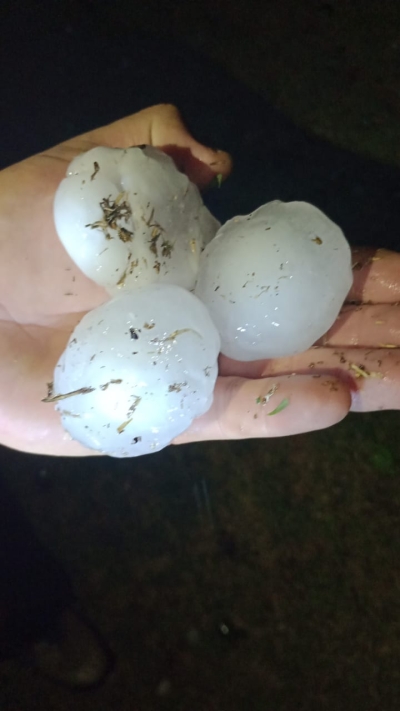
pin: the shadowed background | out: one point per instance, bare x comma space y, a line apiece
258, 575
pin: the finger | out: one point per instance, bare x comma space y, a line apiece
367, 326
376, 276
270, 407
162, 126
200, 163
372, 375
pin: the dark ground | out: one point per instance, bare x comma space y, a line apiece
247, 575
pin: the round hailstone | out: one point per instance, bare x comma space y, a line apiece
274, 281
129, 217
137, 370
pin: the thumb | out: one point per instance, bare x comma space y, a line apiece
270, 407
162, 126
200, 163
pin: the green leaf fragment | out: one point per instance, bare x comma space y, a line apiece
280, 407
217, 180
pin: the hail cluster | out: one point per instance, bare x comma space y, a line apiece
138, 369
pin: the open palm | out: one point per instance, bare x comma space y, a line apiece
43, 295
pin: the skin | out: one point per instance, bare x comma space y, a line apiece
43, 296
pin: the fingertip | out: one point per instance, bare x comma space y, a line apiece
207, 167
221, 164
337, 393
285, 405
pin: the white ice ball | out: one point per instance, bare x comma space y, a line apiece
137, 370
129, 217
274, 281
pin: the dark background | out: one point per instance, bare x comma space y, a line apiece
230, 575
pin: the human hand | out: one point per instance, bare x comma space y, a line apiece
361, 350
43, 296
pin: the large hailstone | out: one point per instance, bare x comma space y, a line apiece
129, 217
137, 370
274, 281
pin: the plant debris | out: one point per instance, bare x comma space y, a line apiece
121, 280
135, 403
96, 170
282, 405
121, 428
176, 387
113, 212
63, 396
125, 235
111, 382
362, 372
174, 334
155, 234
166, 248
263, 291
149, 222
263, 399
